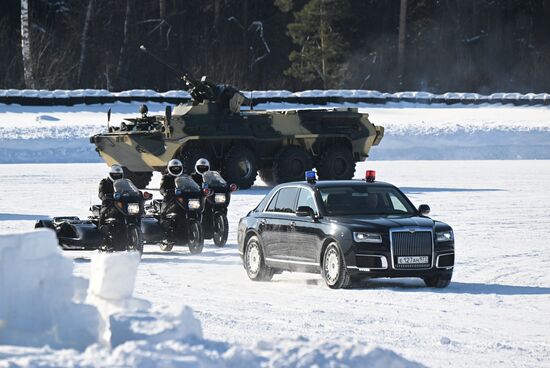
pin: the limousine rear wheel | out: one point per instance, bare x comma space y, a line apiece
254, 261
334, 269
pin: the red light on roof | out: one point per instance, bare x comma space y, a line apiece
370, 175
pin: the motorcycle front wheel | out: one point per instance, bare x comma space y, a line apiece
196, 239
135, 239
221, 229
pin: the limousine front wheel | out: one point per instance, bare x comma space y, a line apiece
255, 263
334, 268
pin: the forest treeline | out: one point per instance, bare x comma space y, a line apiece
479, 46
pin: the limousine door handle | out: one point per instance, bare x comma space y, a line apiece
292, 224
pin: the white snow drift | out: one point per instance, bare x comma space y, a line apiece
44, 321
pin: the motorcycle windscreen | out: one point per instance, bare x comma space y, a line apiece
125, 187
214, 179
187, 184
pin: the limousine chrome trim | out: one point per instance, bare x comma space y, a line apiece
411, 229
290, 261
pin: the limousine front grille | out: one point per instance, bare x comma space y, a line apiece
408, 243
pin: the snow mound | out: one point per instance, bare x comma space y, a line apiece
114, 275
44, 321
36, 295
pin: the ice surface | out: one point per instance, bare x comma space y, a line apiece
494, 314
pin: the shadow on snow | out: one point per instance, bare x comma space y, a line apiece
460, 288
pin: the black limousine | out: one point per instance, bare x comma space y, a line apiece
346, 230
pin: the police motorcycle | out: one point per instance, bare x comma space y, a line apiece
123, 232
181, 223
119, 233
214, 220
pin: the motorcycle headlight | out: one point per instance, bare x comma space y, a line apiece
445, 236
367, 237
219, 198
133, 208
194, 204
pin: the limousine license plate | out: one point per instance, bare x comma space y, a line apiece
412, 260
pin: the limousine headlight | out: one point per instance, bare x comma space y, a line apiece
444, 236
367, 237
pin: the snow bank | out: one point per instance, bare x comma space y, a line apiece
36, 295
43, 321
41, 300
113, 275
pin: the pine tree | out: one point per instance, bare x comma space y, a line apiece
321, 48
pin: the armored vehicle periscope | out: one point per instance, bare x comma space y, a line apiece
280, 145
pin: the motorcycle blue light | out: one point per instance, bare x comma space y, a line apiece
311, 176
178, 191
117, 196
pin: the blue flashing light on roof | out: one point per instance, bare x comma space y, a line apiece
311, 176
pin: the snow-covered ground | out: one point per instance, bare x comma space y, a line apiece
495, 313
61, 134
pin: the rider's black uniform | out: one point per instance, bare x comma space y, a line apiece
106, 192
167, 188
197, 178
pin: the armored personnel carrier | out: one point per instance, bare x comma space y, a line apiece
279, 145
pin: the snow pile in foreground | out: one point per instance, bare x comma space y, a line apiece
44, 320
36, 295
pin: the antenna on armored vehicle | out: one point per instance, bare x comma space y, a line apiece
108, 119
179, 72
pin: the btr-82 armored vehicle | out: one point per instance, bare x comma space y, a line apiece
280, 145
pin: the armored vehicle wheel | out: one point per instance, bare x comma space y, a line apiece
140, 178
336, 163
290, 164
189, 157
267, 176
240, 167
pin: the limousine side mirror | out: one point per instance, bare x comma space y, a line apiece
424, 209
305, 211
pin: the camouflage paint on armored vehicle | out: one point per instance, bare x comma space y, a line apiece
280, 145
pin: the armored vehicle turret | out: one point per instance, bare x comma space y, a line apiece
279, 145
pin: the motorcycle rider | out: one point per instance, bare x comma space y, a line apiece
106, 191
167, 189
201, 166
108, 210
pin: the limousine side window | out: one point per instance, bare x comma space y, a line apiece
306, 199
271, 207
286, 199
